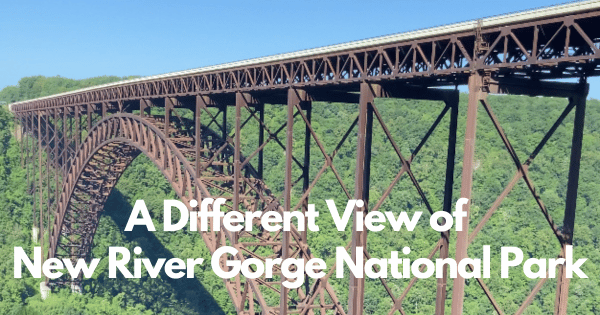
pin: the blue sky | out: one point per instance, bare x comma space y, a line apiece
81, 39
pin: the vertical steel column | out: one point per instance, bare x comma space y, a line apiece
50, 160
19, 125
23, 125
367, 165
31, 160
34, 153
200, 105
90, 111
224, 134
40, 184
49, 149
57, 158
462, 237
72, 120
239, 103
26, 157
452, 102
562, 290
77, 129
55, 172
22, 122
306, 181
363, 160
143, 106
65, 148
104, 109
292, 101
261, 139
168, 107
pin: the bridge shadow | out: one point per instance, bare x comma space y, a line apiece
181, 292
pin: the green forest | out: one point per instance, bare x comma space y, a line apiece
518, 222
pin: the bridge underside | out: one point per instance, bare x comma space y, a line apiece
71, 176
195, 128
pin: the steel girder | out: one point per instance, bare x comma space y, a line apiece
559, 47
199, 161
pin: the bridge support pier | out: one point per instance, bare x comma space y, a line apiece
562, 288
368, 111
441, 291
462, 237
479, 87
368, 92
145, 136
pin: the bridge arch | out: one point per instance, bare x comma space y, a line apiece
111, 145
108, 149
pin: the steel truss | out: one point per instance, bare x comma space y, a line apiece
566, 46
199, 162
75, 147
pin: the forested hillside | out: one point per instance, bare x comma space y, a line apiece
518, 222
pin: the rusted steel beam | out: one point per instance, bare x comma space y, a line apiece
239, 103
18, 127
65, 146
306, 173
368, 92
452, 102
143, 106
200, 106
462, 237
169, 104
40, 185
562, 290
224, 132
261, 139
522, 170
544, 48
31, 185
89, 112
104, 108
51, 136
293, 99
78, 133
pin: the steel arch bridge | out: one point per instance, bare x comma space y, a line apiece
78, 144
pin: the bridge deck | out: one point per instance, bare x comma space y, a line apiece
552, 42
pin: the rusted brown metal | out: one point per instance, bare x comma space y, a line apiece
294, 242
562, 290
523, 50
368, 92
293, 100
73, 176
305, 185
462, 237
452, 102
40, 186
577, 94
200, 106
